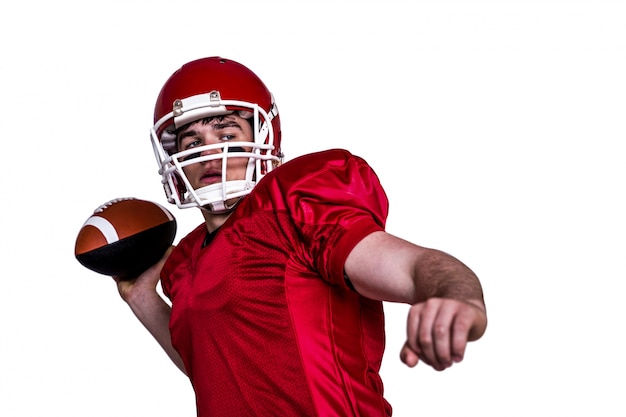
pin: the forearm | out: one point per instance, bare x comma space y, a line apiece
437, 274
388, 268
447, 308
154, 313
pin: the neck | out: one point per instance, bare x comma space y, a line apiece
213, 221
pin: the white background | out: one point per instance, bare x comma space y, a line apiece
497, 128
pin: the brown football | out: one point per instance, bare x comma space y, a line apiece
124, 237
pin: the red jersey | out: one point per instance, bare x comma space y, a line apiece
263, 317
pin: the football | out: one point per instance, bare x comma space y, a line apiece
124, 237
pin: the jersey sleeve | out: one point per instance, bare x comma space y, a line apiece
337, 202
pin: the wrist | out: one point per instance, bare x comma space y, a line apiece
138, 295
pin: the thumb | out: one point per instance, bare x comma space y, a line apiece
408, 355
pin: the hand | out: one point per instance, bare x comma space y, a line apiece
438, 331
147, 281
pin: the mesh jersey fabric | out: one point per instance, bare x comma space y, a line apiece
262, 316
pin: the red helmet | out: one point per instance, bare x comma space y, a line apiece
211, 87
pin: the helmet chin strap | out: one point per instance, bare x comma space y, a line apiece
213, 198
220, 207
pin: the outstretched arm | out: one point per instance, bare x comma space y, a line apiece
447, 307
152, 311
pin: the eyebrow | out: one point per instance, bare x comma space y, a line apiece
227, 123
216, 126
187, 134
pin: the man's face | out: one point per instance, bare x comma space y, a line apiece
229, 128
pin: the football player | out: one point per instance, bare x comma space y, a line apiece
276, 298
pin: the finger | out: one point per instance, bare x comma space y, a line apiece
410, 352
460, 333
442, 336
408, 356
420, 330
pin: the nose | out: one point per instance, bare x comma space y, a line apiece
213, 153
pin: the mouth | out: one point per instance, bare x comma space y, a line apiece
211, 177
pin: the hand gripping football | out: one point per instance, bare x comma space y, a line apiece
124, 237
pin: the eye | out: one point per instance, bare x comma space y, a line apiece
228, 137
191, 144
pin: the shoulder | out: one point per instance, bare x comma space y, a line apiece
180, 258
313, 185
333, 167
